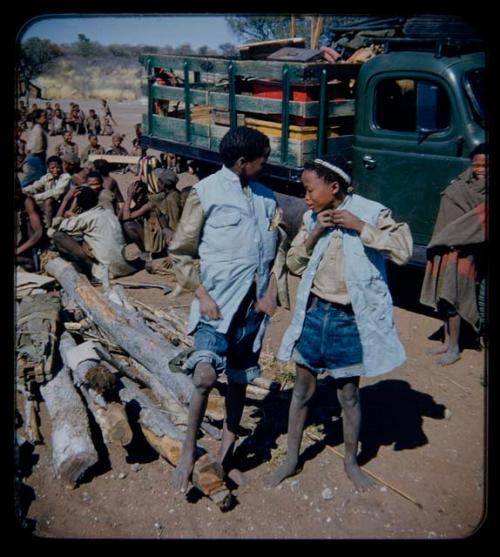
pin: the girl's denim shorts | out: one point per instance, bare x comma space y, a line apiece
330, 341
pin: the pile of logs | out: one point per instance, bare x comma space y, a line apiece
115, 355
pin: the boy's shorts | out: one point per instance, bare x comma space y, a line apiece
330, 341
232, 351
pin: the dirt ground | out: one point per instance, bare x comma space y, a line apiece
422, 439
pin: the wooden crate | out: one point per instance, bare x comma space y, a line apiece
273, 129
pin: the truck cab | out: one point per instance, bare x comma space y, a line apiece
418, 117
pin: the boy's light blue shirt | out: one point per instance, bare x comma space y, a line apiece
237, 245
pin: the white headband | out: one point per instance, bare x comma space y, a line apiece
336, 169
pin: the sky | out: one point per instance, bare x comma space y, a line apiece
152, 30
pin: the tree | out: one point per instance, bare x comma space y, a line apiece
184, 48
265, 28
229, 50
34, 55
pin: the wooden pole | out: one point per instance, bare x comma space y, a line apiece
293, 26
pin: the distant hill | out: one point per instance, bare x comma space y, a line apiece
115, 78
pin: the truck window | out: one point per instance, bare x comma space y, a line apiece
407, 105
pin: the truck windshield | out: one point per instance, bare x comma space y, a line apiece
474, 86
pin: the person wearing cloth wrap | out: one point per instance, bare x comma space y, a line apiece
230, 227
343, 319
455, 255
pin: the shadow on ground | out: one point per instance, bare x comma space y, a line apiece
392, 411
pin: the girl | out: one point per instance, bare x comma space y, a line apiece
343, 322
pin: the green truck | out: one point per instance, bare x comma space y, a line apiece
406, 120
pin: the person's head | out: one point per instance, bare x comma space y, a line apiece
54, 166
138, 130
102, 166
71, 163
56, 106
117, 140
58, 112
87, 198
479, 161
166, 178
92, 112
104, 102
68, 136
94, 181
34, 107
93, 140
48, 105
39, 116
244, 151
169, 160
192, 167
326, 184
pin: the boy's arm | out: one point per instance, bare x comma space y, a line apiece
278, 282
37, 186
58, 191
127, 213
183, 249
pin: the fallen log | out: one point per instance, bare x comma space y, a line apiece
73, 451
166, 438
110, 416
125, 328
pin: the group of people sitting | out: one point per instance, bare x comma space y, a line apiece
76, 208
74, 119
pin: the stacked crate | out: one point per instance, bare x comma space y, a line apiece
216, 91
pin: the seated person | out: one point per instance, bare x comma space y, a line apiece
160, 215
79, 175
103, 167
117, 149
58, 122
107, 127
93, 123
92, 238
67, 146
93, 148
29, 230
50, 188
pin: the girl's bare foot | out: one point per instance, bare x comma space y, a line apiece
287, 469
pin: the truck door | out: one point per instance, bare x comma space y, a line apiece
407, 146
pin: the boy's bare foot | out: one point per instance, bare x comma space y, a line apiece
360, 480
437, 350
450, 357
286, 470
182, 472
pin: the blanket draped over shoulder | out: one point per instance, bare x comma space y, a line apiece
452, 254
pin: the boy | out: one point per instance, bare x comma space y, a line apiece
93, 148
67, 146
50, 188
229, 224
455, 255
342, 322
92, 238
117, 149
93, 123
29, 229
160, 215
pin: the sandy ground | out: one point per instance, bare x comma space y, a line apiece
422, 438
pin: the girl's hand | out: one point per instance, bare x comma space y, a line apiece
345, 219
